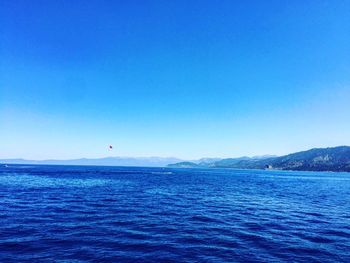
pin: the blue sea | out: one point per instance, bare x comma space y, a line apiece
130, 214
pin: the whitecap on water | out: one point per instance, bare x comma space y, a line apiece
161, 173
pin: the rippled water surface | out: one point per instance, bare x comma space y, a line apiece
105, 214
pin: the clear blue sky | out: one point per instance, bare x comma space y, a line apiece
173, 78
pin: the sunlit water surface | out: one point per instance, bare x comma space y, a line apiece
114, 214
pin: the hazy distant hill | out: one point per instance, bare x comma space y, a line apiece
318, 159
108, 161
186, 165
214, 162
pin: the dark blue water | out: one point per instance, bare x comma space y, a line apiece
104, 214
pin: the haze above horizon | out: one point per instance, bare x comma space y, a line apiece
188, 79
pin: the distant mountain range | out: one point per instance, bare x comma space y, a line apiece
335, 159
319, 159
108, 161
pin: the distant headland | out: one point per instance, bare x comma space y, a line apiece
336, 159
